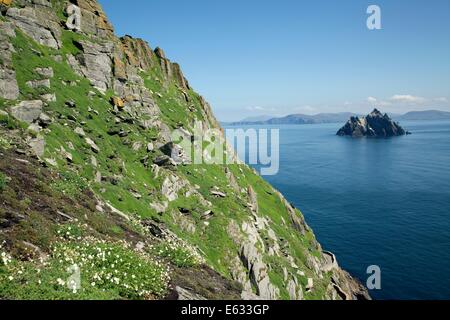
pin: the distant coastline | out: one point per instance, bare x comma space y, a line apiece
301, 119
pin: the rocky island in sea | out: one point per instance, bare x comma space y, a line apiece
375, 124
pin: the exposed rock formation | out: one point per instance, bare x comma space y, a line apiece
27, 111
374, 125
107, 119
40, 23
8, 83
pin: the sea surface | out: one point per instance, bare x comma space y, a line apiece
383, 202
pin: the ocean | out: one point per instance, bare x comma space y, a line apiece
383, 202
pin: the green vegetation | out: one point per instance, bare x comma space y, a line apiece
178, 254
8, 122
178, 108
86, 269
2, 181
61, 209
70, 184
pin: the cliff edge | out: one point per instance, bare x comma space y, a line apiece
92, 206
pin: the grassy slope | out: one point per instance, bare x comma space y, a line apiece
117, 158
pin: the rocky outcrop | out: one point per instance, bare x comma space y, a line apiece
8, 83
171, 186
183, 294
93, 19
38, 22
374, 125
137, 52
267, 248
95, 63
171, 70
27, 111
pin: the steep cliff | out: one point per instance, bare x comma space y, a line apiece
91, 203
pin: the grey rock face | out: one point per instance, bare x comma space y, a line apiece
171, 186
184, 294
175, 152
374, 125
37, 145
329, 261
252, 259
8, 83
49, 97
39, 23
80, 132
163, 161
45, 72
159, 207
92, 144
44, 120
95, 63
93, 19
27, 111
45, 83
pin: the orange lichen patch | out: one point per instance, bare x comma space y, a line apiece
6, 2
118, 102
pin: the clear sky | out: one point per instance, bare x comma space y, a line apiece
258, 57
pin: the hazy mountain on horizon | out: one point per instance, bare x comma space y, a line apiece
339, 117
257, 118
426, 115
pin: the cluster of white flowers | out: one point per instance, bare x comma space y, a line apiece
178, 251
5, 258
11, 269
104, 265
81, 263
71, 232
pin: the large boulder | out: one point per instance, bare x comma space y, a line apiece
27, 111
8, 84
171, 186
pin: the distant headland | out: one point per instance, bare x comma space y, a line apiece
300, 119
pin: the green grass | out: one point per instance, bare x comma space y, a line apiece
2, 181
117, 159
9, 122
107, 271
70, 184
178, 254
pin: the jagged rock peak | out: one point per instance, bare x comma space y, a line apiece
374, 124
160, 53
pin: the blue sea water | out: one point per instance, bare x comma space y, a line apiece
382, 202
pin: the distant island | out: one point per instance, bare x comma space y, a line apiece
336, 118
374, 124
297, 119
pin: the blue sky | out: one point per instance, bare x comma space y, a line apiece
255, 57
